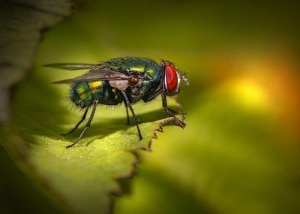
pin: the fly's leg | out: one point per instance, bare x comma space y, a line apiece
127, 113
82, 119
128, 105
87, 125
171, 112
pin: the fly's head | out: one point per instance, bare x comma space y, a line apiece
172, 78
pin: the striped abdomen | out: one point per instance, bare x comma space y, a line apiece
84, 93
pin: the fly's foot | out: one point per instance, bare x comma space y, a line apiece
179, 122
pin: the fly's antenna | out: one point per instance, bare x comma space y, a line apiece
184, 79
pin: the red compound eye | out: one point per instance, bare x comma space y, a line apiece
171, 79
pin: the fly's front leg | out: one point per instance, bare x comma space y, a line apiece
171, 112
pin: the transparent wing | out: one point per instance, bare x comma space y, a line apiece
71, 66
98, 72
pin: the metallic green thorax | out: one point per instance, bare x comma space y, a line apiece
84, 93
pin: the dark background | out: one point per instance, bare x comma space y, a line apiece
239, 152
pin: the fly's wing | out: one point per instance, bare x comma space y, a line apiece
94, 76
71, 66
98, 72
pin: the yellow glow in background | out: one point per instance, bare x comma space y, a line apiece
240, 150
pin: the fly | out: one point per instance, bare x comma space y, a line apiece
126, 79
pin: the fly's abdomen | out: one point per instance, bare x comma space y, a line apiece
84, 93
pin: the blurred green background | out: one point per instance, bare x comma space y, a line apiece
239, 152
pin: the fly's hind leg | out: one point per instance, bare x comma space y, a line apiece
87, 125
80, 121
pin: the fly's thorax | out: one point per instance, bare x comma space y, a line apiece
152, 79
128, 65
144, 76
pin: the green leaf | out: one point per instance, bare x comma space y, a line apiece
85, 176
